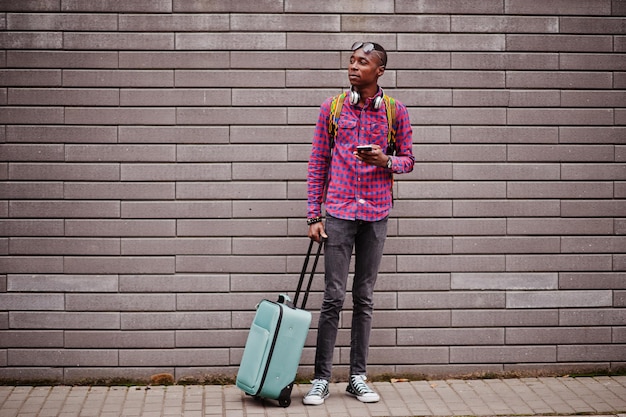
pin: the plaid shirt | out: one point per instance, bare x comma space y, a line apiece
356, 191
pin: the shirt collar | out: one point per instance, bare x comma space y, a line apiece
370, 101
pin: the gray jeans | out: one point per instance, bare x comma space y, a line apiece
368, 240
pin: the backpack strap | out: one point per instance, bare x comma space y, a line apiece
333, 118
390, 107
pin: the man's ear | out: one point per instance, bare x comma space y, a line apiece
381, 70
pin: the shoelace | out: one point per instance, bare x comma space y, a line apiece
318, 388
360, 385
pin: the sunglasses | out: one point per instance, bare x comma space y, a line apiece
367, 46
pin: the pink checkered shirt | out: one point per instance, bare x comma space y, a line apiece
356, 191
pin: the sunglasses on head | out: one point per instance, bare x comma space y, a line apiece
367, 46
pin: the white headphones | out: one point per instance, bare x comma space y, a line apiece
355, 97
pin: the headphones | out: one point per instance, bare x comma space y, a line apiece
355, 97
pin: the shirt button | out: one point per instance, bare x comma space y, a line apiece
361, 201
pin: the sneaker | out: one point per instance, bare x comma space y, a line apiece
359, 389
318, 393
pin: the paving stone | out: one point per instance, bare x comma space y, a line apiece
486, 397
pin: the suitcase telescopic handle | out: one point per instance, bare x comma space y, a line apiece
303, 273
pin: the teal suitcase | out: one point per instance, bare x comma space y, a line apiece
274, 346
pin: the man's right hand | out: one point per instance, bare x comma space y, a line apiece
316, 231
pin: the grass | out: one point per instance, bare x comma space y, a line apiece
230, 379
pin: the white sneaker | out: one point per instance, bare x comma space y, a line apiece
318, 393
359, 389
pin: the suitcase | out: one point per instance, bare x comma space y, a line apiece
274, 346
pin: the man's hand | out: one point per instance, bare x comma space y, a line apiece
316, 231
373, 157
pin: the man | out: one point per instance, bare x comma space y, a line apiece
356, 189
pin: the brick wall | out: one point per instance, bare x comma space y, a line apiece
153, 166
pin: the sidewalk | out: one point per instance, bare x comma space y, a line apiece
601, 395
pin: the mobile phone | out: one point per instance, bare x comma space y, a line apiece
363, 148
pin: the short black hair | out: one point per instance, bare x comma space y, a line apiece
381, 53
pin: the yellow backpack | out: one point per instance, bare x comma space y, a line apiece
333, 119
335, 112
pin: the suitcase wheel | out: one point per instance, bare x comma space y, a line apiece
284, 400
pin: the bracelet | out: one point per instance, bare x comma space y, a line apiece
313, 220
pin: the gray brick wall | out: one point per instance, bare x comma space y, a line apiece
153, 165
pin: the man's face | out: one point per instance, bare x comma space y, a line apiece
364, 68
